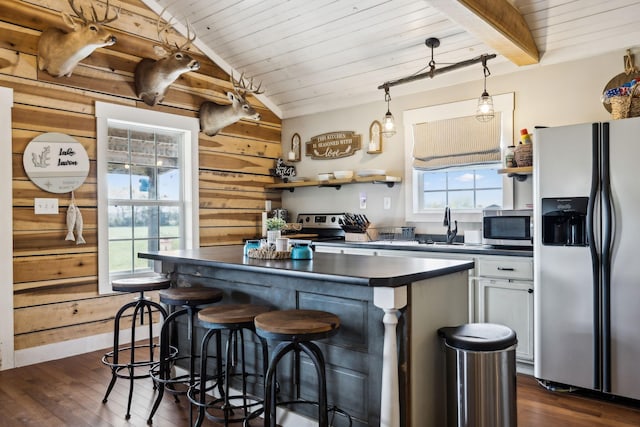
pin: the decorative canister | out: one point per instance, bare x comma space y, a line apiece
251, 244
301, 251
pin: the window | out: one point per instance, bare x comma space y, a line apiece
435, 181
460, 188
147, 188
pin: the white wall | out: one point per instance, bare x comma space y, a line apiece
544, 96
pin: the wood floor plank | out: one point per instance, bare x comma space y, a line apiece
69, 392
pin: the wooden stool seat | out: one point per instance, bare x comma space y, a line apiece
141, 284
304, 324
232, 314
190, 296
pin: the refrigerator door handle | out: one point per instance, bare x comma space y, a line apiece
607, 228
595, 261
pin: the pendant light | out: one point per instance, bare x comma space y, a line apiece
388, 122
485, 111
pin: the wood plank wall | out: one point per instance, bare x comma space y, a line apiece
55, 281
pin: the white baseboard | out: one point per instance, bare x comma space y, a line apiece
63, 349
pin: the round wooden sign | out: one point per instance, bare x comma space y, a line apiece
56, 162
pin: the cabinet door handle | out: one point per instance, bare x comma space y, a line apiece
530, 291
506, 269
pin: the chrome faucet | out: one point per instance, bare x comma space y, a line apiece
451, 234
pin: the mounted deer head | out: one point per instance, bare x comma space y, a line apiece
153, 77
214, 117
59, 51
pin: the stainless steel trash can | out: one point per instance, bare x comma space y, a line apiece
481, 375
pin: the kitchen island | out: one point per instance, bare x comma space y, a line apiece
386, 366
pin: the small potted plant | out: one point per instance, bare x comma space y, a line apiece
274, 225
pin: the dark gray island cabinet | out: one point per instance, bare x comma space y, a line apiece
386, 365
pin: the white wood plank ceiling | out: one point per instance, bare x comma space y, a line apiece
320, 55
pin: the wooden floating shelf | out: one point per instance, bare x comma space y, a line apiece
337, 183
526, 170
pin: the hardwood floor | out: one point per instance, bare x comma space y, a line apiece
68, 392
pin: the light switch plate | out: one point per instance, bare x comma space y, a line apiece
45, 206
363, 200
387, 202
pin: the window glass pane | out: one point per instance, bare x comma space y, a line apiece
143, 147
461, 180
169, 244
143, 265
169, 221
146, 222
120, 222
435, 181
486, 198
120, 260
143, 183
434, 200
118, 181
461, 199
488, 178
118, 145
168, 146
168, 184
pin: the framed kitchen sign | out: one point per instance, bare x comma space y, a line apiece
375, 138
56, 162
333, 145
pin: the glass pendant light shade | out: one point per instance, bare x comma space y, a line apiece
388, 125
485, 111
388, 122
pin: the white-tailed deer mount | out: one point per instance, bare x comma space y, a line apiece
59, 51
214, 117
153, 77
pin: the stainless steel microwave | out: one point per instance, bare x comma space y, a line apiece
507, 227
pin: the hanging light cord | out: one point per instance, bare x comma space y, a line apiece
387, 98
486, 71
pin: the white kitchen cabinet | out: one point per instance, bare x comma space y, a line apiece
511, 304
504, 291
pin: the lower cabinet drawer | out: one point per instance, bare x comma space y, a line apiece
505, 268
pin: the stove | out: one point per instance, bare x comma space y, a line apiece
326, 225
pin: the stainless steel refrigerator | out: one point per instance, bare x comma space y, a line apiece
587, 256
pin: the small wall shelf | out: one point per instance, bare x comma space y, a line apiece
519, 173
390, 181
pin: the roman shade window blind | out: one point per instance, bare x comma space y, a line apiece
460, 141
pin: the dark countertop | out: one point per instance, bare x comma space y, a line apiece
349, 269
423, 247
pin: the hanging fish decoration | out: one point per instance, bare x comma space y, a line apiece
79, 224
72, 213
74, 221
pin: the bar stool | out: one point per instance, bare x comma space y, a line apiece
190, 299
297, 329
234, 318
130, 368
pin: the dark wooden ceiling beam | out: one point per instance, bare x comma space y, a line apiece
496, 23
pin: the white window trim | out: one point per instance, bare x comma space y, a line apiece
190, 190
7, 357
503, 103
